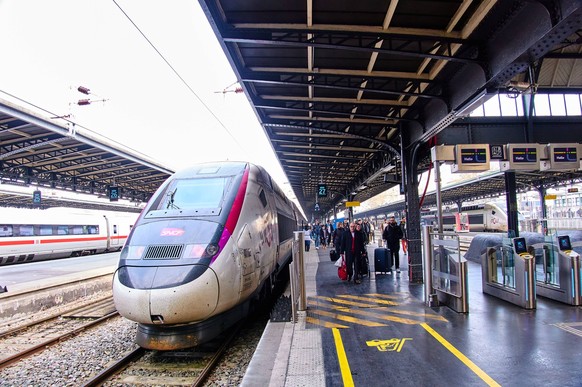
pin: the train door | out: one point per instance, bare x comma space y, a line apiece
248, 260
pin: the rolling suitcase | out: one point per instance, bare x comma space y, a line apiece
333, 255
382, 262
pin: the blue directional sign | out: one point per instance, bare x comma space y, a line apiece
316, 208
113, 193
322, 191
36, 197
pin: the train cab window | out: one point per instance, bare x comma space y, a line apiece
6, 230
26, 230
195, 193
62, 230
45, 230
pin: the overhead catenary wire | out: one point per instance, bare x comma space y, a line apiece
178, 74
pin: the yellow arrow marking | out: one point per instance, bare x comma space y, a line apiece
346, 318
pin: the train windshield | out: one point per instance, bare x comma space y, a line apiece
195, 193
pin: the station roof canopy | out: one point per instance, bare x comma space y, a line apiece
39, 152
338, 85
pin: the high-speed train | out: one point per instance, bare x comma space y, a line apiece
488, 217
207, 247
28, 235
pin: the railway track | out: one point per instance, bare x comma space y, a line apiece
20, 340
188, 367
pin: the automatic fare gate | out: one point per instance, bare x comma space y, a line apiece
558, 271
445, 271
509, 273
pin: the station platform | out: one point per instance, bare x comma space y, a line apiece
381, 332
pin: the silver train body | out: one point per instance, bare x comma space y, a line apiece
212, 239
488, 217
30, 235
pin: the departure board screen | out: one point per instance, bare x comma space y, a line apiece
525, 155
565, 155
473, 155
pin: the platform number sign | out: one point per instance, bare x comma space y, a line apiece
36, 197
322, 191
113, 193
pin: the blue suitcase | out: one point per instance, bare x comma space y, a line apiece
382, 259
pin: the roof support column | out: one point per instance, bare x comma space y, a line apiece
409, 172
511, 201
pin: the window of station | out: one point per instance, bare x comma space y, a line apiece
511, 105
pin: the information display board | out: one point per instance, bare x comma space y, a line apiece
522, 157
471, 158
561, 157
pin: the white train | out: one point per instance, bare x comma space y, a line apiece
488, 217
208, 247
28, 235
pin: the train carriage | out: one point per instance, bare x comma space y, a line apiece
28, 235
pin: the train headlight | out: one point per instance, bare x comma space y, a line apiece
201, 250
132, 252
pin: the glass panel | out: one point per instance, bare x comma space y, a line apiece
195, 193
557, 104
542, 105
446, 266
508, 105
46, 230
573, 105
492, 107
27, 230
5, 230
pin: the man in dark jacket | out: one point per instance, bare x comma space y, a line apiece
352, 247
392, 234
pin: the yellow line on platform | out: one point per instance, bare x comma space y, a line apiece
472, 366
343, 359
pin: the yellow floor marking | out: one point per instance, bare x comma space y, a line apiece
389, 296
323, 323
368, 299
399, 311
342, 301
342, 358
346, 318
379, 316
472, 366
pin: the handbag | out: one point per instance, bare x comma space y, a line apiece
342, 271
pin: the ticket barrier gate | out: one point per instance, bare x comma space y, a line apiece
509, 273
445, 271
558, 274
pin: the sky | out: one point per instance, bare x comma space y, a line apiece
171, 109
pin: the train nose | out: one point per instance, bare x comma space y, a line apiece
189, 302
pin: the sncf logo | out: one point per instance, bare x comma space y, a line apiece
172, 232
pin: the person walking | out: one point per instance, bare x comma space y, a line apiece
352, 248
307, 237
404, 236
392, 234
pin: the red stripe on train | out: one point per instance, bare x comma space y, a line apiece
61, 240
